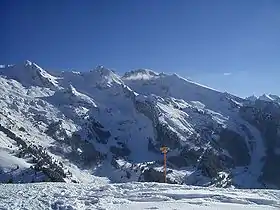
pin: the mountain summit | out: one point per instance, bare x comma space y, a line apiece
29, 74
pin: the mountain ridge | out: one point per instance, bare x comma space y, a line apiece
97, 123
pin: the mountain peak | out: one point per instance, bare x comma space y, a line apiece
29, 74
252, 98
265, 97
70, 89
102, 76
103, 71
140, 74
28, 63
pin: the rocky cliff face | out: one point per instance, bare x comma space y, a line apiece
100, 124
266, 117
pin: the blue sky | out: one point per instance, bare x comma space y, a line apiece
231, 45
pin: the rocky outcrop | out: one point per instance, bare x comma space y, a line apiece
209, 162
191, 155
166, 137
177, 161
82, 151
96, 131
236, 146
265, 116
120, 151
152, 175
271, 170
55, 131
41, 160
163, 134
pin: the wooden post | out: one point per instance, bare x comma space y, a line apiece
164, 150
164, 172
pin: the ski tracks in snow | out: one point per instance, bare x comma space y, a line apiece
132, 196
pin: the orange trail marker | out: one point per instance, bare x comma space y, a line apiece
164, 150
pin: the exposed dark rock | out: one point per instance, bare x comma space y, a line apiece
164, 135
41, 159
96, 130
120, 152
147, 108
22, 129
271, 170
177, 161
235, 144
167, 137
114, 163
211, 163
152, 175
191, 155
247, 131
266, 117
151, 146
128, 175
11, 135
55, 131
83, 152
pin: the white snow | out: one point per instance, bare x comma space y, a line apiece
29, 74
184, 106
140, 74
252, 98
133, 196
265, 97
9, 162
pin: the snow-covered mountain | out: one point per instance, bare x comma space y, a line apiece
77, 126
265, 97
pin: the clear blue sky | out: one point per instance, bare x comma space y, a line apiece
201, 39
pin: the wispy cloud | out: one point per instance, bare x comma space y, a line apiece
227, 73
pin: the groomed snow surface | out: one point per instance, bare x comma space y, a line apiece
133, 196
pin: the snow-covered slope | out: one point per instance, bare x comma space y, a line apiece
29, 74
75, 126
133, 196
265, 97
